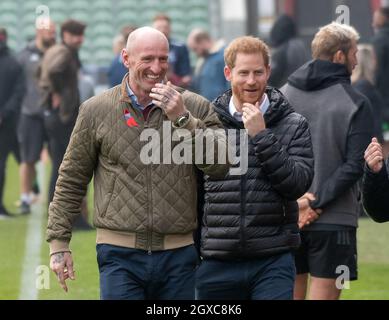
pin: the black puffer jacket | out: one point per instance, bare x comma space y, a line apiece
255, 214
375, 190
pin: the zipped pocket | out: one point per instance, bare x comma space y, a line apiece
111, 187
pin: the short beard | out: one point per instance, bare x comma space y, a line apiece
348, 66
239, 97
47, 43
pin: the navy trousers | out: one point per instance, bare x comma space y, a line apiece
270, 278
132, 274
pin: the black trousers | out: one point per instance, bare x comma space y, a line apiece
58, 135
8, 144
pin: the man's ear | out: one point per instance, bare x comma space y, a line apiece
339, 57
125, 58
227, 73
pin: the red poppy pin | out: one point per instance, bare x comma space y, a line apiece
130, 120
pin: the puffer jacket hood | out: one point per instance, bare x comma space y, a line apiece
318, 75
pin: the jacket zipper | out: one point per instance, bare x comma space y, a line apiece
150, 208
149, 196
243, 210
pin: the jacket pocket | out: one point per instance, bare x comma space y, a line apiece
108, 197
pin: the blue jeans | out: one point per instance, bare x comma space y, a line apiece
270, 278
132, 274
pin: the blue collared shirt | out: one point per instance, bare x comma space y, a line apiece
134, 99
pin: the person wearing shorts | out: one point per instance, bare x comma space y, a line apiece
31, 131
330, 254
341, 124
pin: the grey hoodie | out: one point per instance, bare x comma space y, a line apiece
30, 58
341, 125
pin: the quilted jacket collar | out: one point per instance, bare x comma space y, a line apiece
123, 89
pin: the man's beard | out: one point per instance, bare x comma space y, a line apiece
239, 95
205, 53
47, 43
349, 67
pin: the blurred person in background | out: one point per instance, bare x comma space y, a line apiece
288, 52
363, 80
381, 48
31, 129
117, 70
86, 86
341, 125
179, 72
12, 90
59, 73
208, 79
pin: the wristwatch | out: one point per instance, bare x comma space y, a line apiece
182, 120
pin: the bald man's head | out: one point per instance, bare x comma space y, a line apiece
45, 32
146, 57
140, 35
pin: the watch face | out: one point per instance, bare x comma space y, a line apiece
181, 120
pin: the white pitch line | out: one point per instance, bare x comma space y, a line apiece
32, 254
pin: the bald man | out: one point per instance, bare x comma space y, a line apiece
31, 129
145, 213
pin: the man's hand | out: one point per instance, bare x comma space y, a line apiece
62, 265
169, 99
55, 100
253, 119
306, 214
374, 156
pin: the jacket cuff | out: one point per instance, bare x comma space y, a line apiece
381, 173
257, 138
57, 246
313, 204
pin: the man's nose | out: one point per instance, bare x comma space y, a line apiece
156, 66
251, 79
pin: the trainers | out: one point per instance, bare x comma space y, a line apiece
25, 208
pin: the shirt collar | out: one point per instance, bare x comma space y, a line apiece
238, 115
134, 99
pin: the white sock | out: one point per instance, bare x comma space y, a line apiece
25, 197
